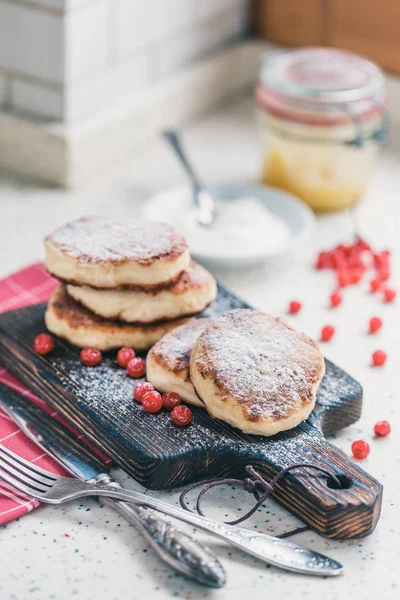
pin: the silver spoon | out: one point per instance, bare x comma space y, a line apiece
202, 198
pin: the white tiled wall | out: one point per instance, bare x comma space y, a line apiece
58, 5
31, 97
66, 59
3, 89
209, 8
204, 38
102, 88
141, 24
31, 41
87, 39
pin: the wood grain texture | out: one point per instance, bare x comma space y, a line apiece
290, 22
369, 28
98, 402
365, 27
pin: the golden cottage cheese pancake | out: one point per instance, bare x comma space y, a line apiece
194, 289
168, 361
101, 253
69, 320
255, 372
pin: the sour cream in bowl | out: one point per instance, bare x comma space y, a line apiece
252, 224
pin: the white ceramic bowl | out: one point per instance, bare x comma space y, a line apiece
298, 217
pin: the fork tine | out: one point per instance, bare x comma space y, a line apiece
4, 475
18, 475
28, 465
23, 473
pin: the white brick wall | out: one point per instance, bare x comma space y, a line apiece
51, 4
142, 23
58, 5
210, 8
67, 59
87, 39
30, 97
200, 39
3, 89
99, 91
31, 41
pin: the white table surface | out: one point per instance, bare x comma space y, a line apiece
85, 551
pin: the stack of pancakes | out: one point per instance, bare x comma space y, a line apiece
122, 284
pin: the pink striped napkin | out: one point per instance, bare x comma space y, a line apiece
31, 285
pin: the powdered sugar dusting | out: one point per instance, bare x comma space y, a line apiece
105, 393
175, 347
98, 240
195, 275
264, 364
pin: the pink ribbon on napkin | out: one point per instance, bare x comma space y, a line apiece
31, 285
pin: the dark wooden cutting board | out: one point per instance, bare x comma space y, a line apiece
98, 402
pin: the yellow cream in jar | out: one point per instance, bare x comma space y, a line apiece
322, 197
321, 119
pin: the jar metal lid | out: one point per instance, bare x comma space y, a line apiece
320, 80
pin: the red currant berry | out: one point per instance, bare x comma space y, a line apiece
90, 357
389, 295
374, 285
379, 358
356, 274
141, 389
360, 449
43, 343
294, 307
152, 401
171, 400
381, 260
384, 274
338, 259
323, 260
354, 262
362, 245
327, 333
382, 429
181, 415
375, 324
335, 299
344, 278
136, 367
124, 355
319, 263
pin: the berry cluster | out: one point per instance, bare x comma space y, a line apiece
352, 262
152, 402
144, 393
127, 359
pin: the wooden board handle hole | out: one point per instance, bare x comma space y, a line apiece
345, 482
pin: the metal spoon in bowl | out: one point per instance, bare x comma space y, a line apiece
202, 198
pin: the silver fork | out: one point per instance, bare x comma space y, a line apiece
55, 489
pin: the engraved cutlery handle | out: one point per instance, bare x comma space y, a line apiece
275, 551
176, 548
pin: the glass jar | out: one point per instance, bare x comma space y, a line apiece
322, 117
